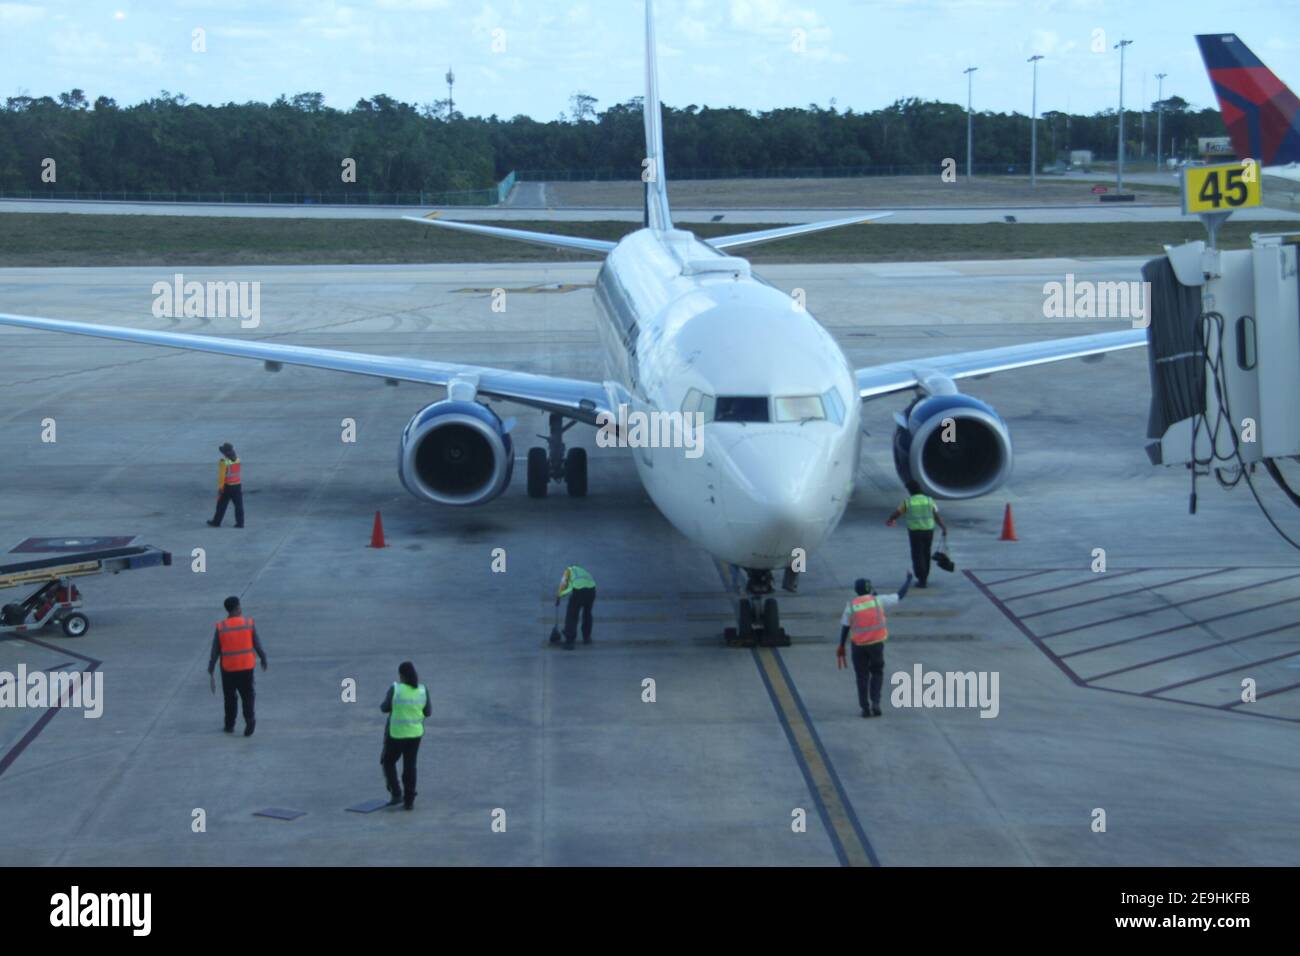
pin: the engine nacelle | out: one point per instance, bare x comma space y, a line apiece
977, 460
456, 453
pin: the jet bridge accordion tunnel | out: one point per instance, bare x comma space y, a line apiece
1224, 359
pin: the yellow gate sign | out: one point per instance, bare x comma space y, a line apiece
1220, 188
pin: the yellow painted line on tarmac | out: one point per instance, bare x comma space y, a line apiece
850, 843
839, 817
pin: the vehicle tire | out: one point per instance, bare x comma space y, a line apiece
771, 618
538, 473
75, 624
575, 472
745, 621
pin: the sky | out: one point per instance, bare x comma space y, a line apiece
528, 57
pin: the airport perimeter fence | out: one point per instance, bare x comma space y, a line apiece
473, 197
678, 173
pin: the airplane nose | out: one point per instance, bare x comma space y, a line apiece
778, 494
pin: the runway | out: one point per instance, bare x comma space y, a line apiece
1117, 689
1082, 213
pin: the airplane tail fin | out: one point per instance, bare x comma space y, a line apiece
657, 214
1260, 111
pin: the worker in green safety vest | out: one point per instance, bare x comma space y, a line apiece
579, 585
407, 704
921, 515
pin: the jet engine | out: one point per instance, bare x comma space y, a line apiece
953, 446
456, 453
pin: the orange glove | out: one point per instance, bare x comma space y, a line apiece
840, 662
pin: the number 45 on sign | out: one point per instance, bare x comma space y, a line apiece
1221, 188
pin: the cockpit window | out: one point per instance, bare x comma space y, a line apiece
834, 406
742, 408
799, 408
697, 401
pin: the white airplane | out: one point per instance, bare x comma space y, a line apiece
687, 327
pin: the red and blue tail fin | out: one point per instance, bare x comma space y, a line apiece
1260, 111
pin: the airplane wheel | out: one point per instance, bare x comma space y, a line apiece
771, 618
745, 621
76, 624
575, 472
538, 473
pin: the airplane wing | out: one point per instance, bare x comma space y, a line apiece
785, 232
900, 376
574, 398
598, 247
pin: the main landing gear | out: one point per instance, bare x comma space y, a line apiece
758, 619
552, 463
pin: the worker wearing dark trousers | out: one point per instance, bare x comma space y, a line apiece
864, 621
579, 585
235, 643
230, 486
407, 704
921, 514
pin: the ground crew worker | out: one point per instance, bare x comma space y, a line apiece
581, 588
230, 486
922, 514
407, 704
864, 620
235, 643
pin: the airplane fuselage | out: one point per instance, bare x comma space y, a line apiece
684, 326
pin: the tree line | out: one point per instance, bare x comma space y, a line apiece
298, 144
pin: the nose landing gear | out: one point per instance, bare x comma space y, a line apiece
758, 617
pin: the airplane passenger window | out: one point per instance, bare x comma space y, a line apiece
799, 408
742, 408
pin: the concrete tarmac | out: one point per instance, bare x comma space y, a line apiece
1119, 691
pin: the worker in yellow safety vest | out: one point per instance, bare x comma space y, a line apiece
230, 486
406, 705
236, 644
921, 514
864, 621
579, 585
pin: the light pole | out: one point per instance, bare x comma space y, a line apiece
1033, 126
970, 147
1119, 166
1160, 115
451, 101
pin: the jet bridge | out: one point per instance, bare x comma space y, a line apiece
1225, 358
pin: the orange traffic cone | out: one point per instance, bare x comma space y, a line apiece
1008, 526
377, 535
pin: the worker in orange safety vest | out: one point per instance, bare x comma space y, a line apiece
234, 644
230, 486
864, 621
